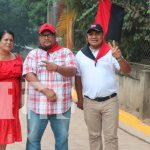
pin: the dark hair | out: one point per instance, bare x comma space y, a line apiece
2, 33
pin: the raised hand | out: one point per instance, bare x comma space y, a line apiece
115, 50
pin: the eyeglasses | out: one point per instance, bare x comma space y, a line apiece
46, 35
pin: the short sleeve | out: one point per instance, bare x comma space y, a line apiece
116, 64
70, 59
30, 63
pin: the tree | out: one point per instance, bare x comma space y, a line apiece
14, 17
36, 11
25, 16
136, 37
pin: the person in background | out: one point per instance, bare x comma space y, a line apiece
96, 87
10, 91
49, 70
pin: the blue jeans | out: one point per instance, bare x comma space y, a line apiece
36, 125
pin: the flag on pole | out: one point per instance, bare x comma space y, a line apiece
103, 14
110, 17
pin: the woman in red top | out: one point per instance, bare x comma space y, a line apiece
10, 75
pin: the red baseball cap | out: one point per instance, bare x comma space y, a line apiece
47, 26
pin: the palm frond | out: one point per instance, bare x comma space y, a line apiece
65, 27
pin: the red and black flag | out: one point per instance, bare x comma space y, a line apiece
110, 17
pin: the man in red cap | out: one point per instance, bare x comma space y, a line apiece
97, 88
49, 70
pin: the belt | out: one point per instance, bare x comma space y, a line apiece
101, 99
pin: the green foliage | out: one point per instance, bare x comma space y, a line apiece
136, 28
36, 11
148, 3
86, 12
14, 17
25, 16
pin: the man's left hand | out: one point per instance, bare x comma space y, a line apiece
115, 50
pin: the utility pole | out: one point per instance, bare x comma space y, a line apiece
48, 13
52, 13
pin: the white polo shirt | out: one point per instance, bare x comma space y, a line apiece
99, 80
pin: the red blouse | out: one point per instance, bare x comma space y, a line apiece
10, 96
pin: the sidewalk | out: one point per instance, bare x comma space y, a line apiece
130, 124
78, 137
134, 126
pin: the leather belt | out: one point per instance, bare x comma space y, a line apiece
101, 99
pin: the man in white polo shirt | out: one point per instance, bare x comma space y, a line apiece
97, 88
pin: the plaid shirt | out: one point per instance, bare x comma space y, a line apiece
62, 85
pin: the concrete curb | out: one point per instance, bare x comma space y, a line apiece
134, 126
134, 132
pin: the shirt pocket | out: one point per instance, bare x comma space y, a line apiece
40, 69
